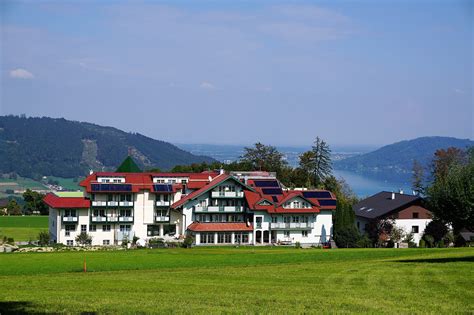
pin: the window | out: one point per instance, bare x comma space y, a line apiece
110, 197
286, 233
106, 227
220, 238
304, 233
70, 212
415, 215
83, 228
106, 242
125, 228
305, 219
153, 230
169, 229
70, 228
259, 222
274, 219
414, 229
166, 197
286, 219
207, 238
245, 237
92, 228
358, 225
227, 237
296, 219
183, 181
127, 197
126, 213
69, 242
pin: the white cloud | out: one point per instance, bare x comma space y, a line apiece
207, 85
21, 74
458, 91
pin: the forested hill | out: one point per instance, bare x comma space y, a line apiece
33, 147
395, 161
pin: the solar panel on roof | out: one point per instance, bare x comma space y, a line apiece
266, 183
111, 187
327, 202
163, 188
317, 194
272, 191
275, 199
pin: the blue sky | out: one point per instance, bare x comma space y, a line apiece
351, 72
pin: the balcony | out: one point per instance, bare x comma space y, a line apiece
98, 219
227, 194
294, 225
126, 204
161, 203
125, 219
112, 203
223, 209
69, 219
159, 218
99, 203
112, 219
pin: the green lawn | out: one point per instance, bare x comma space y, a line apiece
240, 280
23, 228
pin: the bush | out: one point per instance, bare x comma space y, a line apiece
135, 240
43, 238
10, 241
188, 241
347, 238
364, 242
429, 240
459, 241
84, 239
422, 243
297, 245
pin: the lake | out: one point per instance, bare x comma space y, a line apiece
364, 186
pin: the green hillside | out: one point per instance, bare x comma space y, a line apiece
33, 147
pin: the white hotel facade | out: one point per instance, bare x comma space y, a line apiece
216, 208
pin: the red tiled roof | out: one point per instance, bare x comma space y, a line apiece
194, 194
140, 181
66, 202
220, 227
197, 184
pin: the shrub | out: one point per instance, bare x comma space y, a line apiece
43, 238
364, 242
10, 241
125, 242
188, 241
429, 240
422, 243
135, 240
84, 239
347, 238
297, 245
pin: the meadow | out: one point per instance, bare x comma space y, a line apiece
240, 280
23, 228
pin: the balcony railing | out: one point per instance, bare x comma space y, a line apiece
112, 219
96, 203
223, 209
227, 194
70, 219
126, 204
293, 225
162, 203
160, 218
98, 219
112, 203
125, 219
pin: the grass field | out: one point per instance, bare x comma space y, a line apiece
240, 280
67, 183
22, 228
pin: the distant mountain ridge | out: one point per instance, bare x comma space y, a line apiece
395, 161
33, 147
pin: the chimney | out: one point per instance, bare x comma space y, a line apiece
245, 179
221, 171
400, 191
91, 172
393, 196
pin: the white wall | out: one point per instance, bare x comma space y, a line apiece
406, 225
